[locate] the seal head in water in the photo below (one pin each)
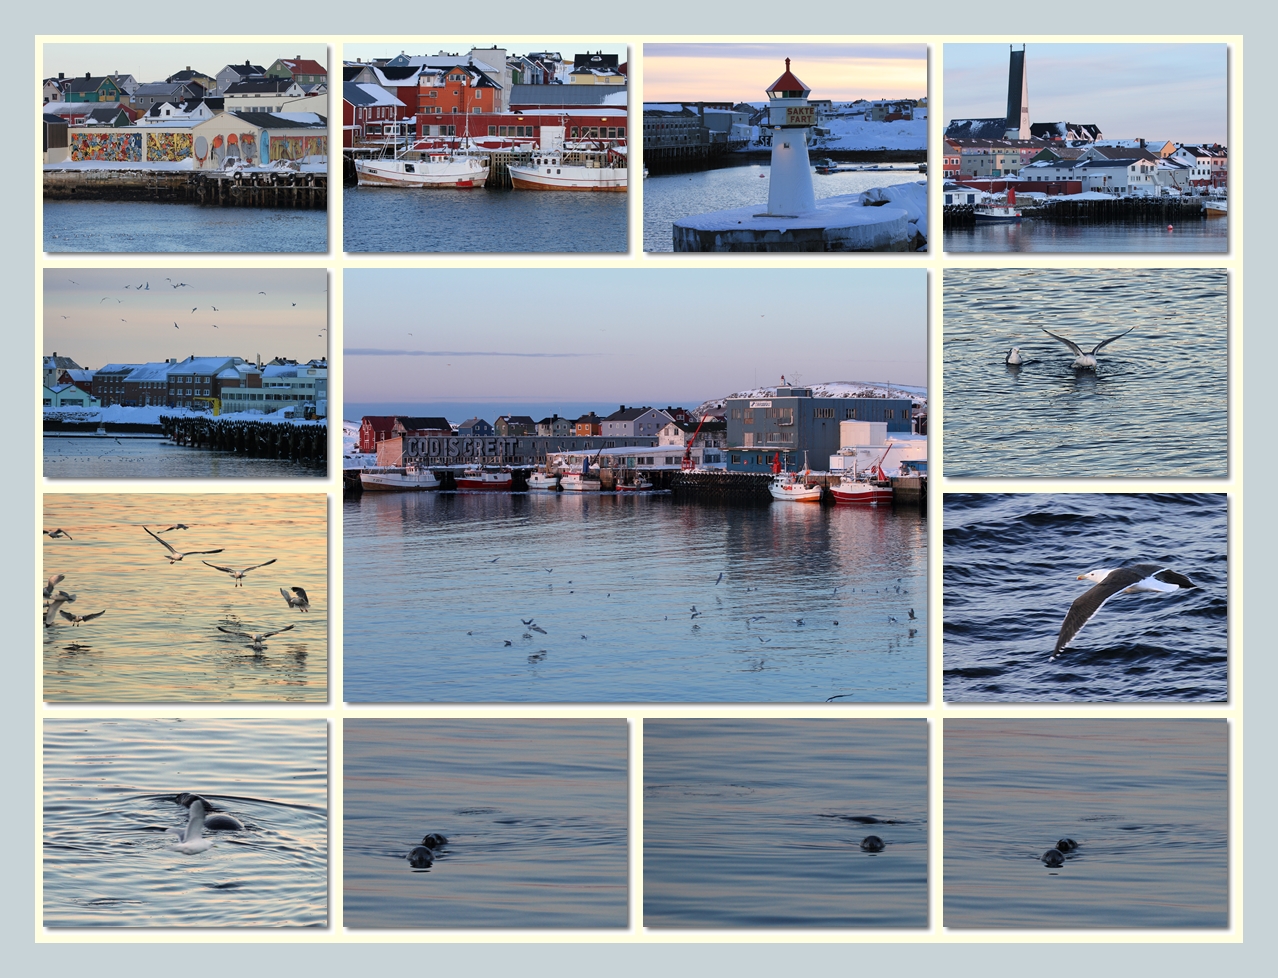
(420, 857)
(433, 840)
(1053, 857)
(871, 843)
(1067, 845)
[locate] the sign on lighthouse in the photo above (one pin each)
(789, 117)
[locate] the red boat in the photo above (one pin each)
(480, 478)
(873, 490)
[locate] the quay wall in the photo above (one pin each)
(687, 159)
(278, 189)
(1115, 210)
(256, 439)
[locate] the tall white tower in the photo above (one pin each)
(789, 117)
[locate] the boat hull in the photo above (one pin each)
(497, 485)
(575, 483)
(862, 494)
(603, 178)
(398, 481)
(455, 174)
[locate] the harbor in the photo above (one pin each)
(276, 187)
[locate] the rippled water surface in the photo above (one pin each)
(133, 225)
(758, 823)
(110, 791)
(439, 583)
(158, 641)
(109, 457)
(1209, 235)
(1147, 801)
(674, 196)
(1158, 405)
(395, 220)
(535, 813)
(1011, 569)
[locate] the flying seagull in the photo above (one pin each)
(53, 582)
(56, 601)
(237, 575)
(1084, 361)
(190, 838)
(1107, 582)
(258, 638)
(59, 532)
(76, 619)
(174, 555)
(175, 526)
(297, 599)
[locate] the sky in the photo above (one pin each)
(157, 60)
(98, 316)
(625, 336)
(1132, 91)
(391, 48)
(741, 72)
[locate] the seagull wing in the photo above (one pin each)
(196, 553)
(277, 631)
(1089, 602)
(1078, 352)
(96, 614)
(224, 570)
(166, 546)
(1110, 340)
(301, 593)
(67, 615)
(256, 566)
(233, 631)
(55, 580)
(287, 597)
(1171, 577)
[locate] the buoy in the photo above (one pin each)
(1169, 227)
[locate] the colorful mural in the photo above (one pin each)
(114, 147)
(168, 146)
(242, 145)
(297, 147)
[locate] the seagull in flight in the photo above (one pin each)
(76, 619)
(58, 534)
(258, 638)
(1109, 581)
(56, 601)
(175, 526)
(297, 599)
(53, 582)
(238, 575)
(190, 838)
(174, 555)
(1084, 360)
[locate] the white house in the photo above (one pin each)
(181, 114)
(68, 395)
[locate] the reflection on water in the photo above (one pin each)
(759, 823)
(535, 813)
(109, 457)
(476, 597)
(110, 791)
(159, 640)
(141, 226)
(1146, 800)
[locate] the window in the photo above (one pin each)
(823, 412)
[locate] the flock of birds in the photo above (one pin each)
(55, 599)
(1083, 359)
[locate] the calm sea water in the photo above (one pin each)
(674, 196)
(758, 823)
(1210, 235)
(1147, 801)
(110, 791)
(158, 641)
(535, 813)
(1011, 563)
(394, 220)
(109, 457)
(1157, 406)
(110, 225)
(438, 583)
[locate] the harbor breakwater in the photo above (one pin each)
(282, 189)
(1112, 210)
(256, 439)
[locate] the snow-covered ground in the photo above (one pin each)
(118, 414)
(833, 388)
(855, 132)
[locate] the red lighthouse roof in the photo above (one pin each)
(787, 86)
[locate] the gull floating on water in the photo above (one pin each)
(258, 638)
(297, 599)
(1013, 358)
(1129, 579)
(1082, 360)
(237, 575)
(175, 555)
(190, 839)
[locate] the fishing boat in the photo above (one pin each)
(579, 482)
(861, 492)
(540, 481)
(556, 167)
(478, 477)
(999, 213)
(390, 479)
(789, 487)
(438, 170)
(640, 484)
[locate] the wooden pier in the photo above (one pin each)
(283, 189)
(307, 444)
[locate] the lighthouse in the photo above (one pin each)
(790, 117)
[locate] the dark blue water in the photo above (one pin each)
(1147, 801)
(758, 823)
(388, 219)
(110, 790)
(121, 457)
(1158, 404)
(109, 225)
(674, 196)
(535, 813)
(1011, 563)
(1208, 235)
(437, 583)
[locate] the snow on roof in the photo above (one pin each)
(377, 94)
(150, 372)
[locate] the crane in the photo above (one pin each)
(687, 465)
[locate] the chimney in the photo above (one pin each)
(61, 76)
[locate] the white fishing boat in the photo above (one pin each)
(543, 482)
(999, 212)
(557, 167)
(789, 487)
(390, 479)
(579, 482)
(440, 170)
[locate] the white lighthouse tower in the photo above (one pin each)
(790, 117)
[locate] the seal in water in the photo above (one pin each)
(434, 840)
(1053, 857)
(871, 843)
(213, 822)
(1067, 845)
(423, 855)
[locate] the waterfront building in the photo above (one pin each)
(515, 424)
(475, 426)
(54, 365)
(588, 425)
(370, 112)
(263, 95)
(634, 422)
(147, 385)
(68, 396)
(1209, 165)
(792, 422)
(191, 382)
(374, 428)
(712, 434)
(108, 382)
(554, 427)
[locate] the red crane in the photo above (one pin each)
(687, 465)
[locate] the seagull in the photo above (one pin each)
(1084, 361)
(720, 579)
(537, 628)
(53, 582)
(190, 838)
(237, 575)
(57, 534)
(297, 599)
(76, 619)
(1107, 582)
(56, 601)
(529, 621)
(175, 526)
(507, 642)
(1013, 358)
(912, 618)
(258, 638)
(174, 555)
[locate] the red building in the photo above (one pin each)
(606, 126)
(372, 429)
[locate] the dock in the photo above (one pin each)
(282, 189)
(256, 439)
(1115, 210)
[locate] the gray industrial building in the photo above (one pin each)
(793, 422)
